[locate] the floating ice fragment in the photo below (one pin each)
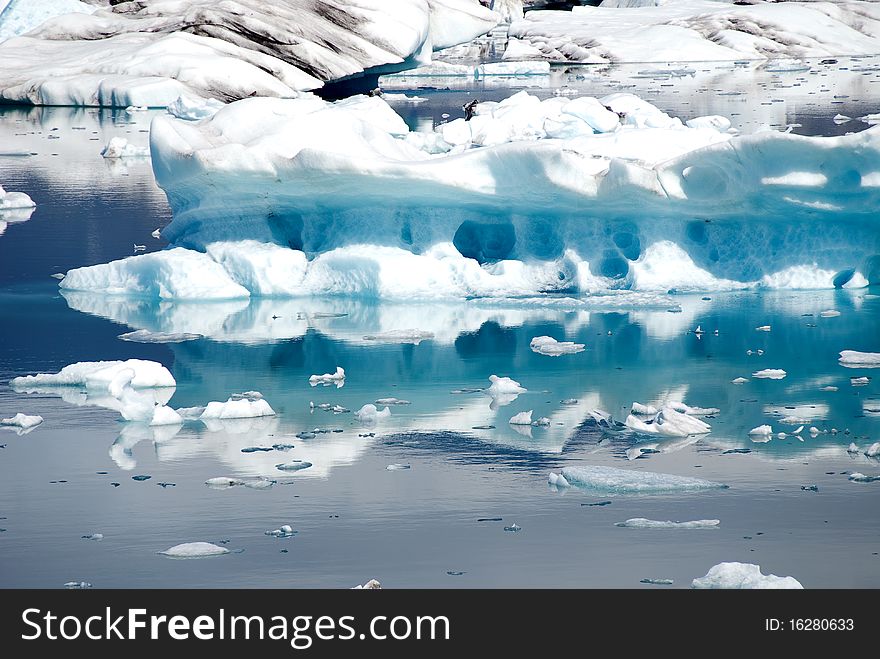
(99, 375)
(295, 465)
(15, 201)
(521, 419)
(860, 381)
(372, 584)
(830, 313)
(569, 401)
(743, 576)
(77, 585)
(858, 477)
(668, 422)
(513, 528)
(93, 536)
(873, 450)
(739, 380)
(642, 523)
(854, 358)
(504, 386)
(626, 481)
(392, 401)
(828, 388)
(557, 480)
(146, 336)
(852, 448)
(657, 582)
(369, 413)
(119, 147)
(841, 118)
(243, 408)
(643, 410)
(194, 550)
(397, 467)
(763, 328)
(770, 374)
(23, 421)
(157, 234)
(541, 422)
(546, 345)
(285, 531)
(337, 378)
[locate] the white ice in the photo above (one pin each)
(337, 378)
(243, 408)
(119, 147)
(194, 550)
(413, 336)
(99, 375)
(10, 201)
(628, 481)
(642, 523)
(856, 359)
(743, 575)
(668, 422)
(504, 386)
(547, 345)
(23, 421)
(770, 374)
(372, 584)
(369, 414)
(521, 419)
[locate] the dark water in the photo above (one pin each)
(357, 520)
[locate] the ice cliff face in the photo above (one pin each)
(150, 52)
(287, 197)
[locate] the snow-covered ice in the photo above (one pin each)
(504, 386)
(521, 419)
(195, 550)
(99, 375)
(668, 422)
(337, 378)
(741, 576)
(547, 345)
(856, 359)
(11, 201)
(643, 523)
(369, 413)
(629, 481)
(770, 374)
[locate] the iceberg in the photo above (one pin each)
(372, 584)
(504, 386)
(337, 378)
(856, 359)
(151, 54)
(521, 419)
(628, 481)
(99, 375)
(701, 31)
(10, 201)
(770, 374)
(668, 422)
(743, 576)
(642, 523)
(369, 414)
(873, 451)
(242, 408)
(547, 345)
(195, 550)
(23, 421)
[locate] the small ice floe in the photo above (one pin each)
(369, 413)
(871, 118)
(858, 477)
(131, 109)
(392, 401)
(337, 378)
(841, 118)
(569, 401)
(146, 336)
(93, 536)
(119, 147)
(285, 531)
(504, 386)
(23, 421)
(513, 528)
(15, 201)
(853, 449)
(758, 352)
(223, 482)
(557, 480)
(139, 248)
(77, 585)
(372, 584)
(643, 410)
(668, 422)
(810, 488)
(157, 234)
(99, 375)
(739, 380)
(873, 451)
(743, 576)
(305, 435)
(194, 550)
(625, 481)
(770, 374)
(854, 358)
(294, 465)
(657, 582)
(814, 431)
(547, 345)
(413, 336)
(642, 523)
(397, 467)
(829, 313)
(521, 419)
(237, 408)
(860, 381)
(699, 331)
(794, 421)
(541, 422)
(828, 388)
(763, 328)
(58, 275)
(260, 483)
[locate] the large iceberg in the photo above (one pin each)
(297, 197)
(698, 31)
(151, 53)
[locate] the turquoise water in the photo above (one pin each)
(358, 520)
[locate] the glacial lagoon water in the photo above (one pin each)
(354, 518)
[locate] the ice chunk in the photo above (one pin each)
(285, 531)
(223, 482)
(392, 401)
(14, 201)
(146, 336)
(770, 374)
(658, 582)
(858, 477)
(546, 345)
(294, 465)
(369, 413)
(668, 422)
(93, 536)
(521, 419)
(642, 523)
(23, 421)
(541, 422)
(643, 410)
(413, 336)
(739, 380)
(829, 313)
(397, 467)
(119, 147)
(244, 408)
(502, 386)
(337, 378)
(860, 381)
(372, 584)
(852, 448)
(628, 481)
(558, 480)
(873, 450)
(856, 359)
(77, 585)
(195, 550)
(743, 575)
(99, 375)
